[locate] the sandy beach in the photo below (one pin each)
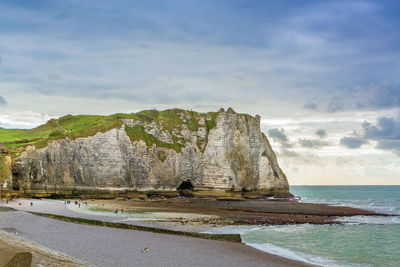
(108, 246)
(104, 246)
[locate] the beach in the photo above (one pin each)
(111, 246)
(106, 246)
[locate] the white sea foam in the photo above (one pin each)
(299, 256)
(232, 229)
(361, 204)
(277, 250)
(376, 220)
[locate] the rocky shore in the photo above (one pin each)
(246, 212)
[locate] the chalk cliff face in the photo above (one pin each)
(224, 151)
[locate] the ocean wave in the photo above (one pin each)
(278, 250)
(232, 229)
(299, 256)
(377, 220)
(365, 205)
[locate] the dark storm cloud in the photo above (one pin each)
(321, 133)
(352, 142)
(3, 101)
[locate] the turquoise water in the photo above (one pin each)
(361, 241)
(385, 199)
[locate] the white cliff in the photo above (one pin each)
(224, 151)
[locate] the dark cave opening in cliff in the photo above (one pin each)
(185, 185)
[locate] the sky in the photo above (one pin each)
(323, 75)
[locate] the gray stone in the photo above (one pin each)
(234, 154)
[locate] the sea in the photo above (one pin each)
(359, 241)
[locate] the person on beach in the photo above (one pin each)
(116, 211)
(31, 204)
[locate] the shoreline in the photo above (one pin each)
(189, 217)
(247, 212)
(207, 252)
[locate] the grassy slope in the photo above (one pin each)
(67, 126)
(72, 126)
(88, 125)
(171, 118)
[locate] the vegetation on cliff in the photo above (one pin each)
(171, 120)
(229, 162)
(5, 171)
(138, 133)
(68, 126)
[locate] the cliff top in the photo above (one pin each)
(15, 140)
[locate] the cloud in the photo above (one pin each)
(352, 142)
(288, 153)
(23, 120)
(386, 128)
(391, 145)
(381, 96)
(321, 133)
(334, 105)
(311, 106)
(310, 143)
(386, 132)
(3, 101)
(255, 53)
(280, 136)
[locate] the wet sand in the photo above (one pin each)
(248, 212)
(104, 246)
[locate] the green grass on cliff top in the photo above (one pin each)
(172, 118)
(88, 125)
(67, 126)
(72, 126)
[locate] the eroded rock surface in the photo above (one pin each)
(225, 152)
